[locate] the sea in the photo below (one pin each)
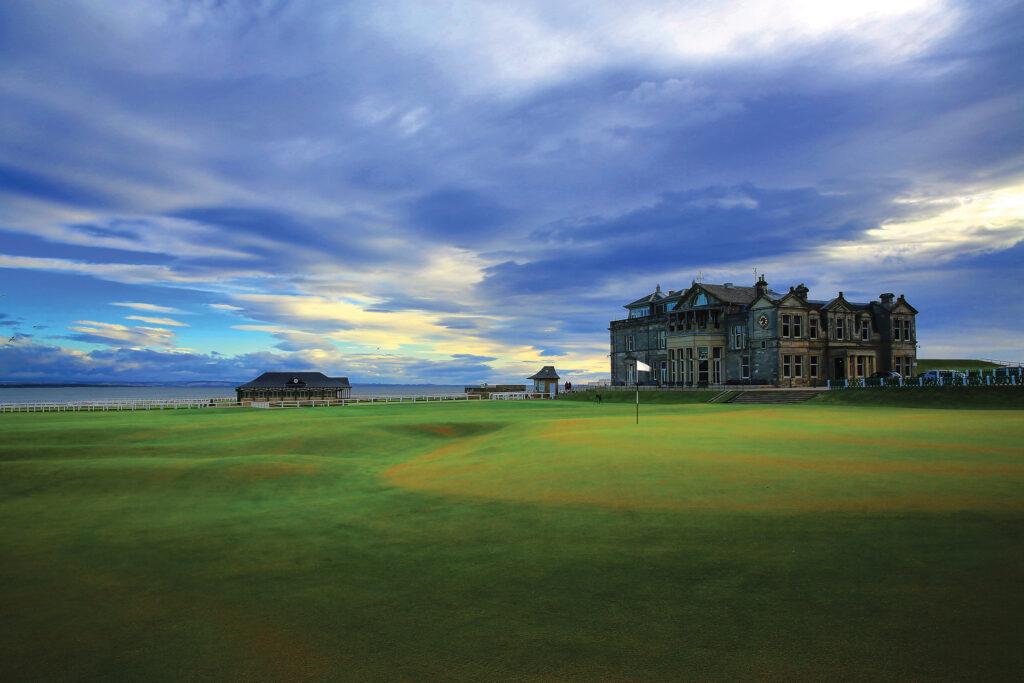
(58, 394)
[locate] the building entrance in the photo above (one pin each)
(839, 368)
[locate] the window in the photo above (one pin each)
(737, 337)
(814, 366)
(798, 325)
(745, 367)
(860, 366)
(787, 365)
(661, 339)
(798, 366)
(640, 312)
(664, 371)
(631, 374)
(689, 364)
(906, 331)
(865, 329)
(716, 365)
(764, 344)
(786, 326)
(814, 328)
(896, 331)
(630, 342)
(840, 329)
(700, 300)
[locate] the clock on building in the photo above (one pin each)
(763, 321)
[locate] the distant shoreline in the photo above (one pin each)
(92, 385)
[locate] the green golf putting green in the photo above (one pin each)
(524, 540)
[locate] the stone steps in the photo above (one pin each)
(774, 396)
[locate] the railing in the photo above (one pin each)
(118, 404)
(960, 380)
(361, 400)
(196, 403)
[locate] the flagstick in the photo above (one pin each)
(638, 403)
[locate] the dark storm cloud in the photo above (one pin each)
(708, 226)
(457, 215)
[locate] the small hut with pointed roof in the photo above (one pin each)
(545, 381)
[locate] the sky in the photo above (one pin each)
(457, 192)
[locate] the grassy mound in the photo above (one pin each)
(925, 364)
(646, 397)
(498, 540)
(947, 397)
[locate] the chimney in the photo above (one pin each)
(887, 299)
(761, 286)
(801, 291)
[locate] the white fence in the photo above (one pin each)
(118, 404)
(362, 400)
(197, 403)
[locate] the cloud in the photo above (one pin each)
(121, 335)
(497, 187)
(157, 321)
(147, 307)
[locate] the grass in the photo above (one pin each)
(528, 540)
(925, 364)
(946, 397)
(646, 397)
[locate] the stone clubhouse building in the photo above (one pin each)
(727, 334)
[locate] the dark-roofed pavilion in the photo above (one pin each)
(291, 386)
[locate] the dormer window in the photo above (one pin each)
(840, 328)
(865, 329)
(640, 312)
(814, 328)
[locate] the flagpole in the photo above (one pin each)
(638, 402)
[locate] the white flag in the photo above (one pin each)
(642, 367)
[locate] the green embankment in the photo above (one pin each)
(925, 364)
(551, 540)
(947, 397)
(646, 397)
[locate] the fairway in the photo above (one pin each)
(513, 540)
